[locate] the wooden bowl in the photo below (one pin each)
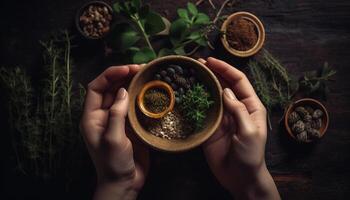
(80, 12)
(259, 28)
(212, 121)
(307, 102)
(160, 85)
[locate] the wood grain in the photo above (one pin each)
(302, 34)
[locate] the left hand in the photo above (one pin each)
(121, 161)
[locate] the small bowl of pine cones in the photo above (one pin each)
(306, 120)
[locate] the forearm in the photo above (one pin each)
(114, 191)
(257, 186)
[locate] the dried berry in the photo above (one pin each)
(301, 111)
(157, 77)
(167, 79)
(298, 127)
(174, 86)
(302, 137)
(293, 117)
(307, 118)
(314, 133)
(316, 124)
(177, 68)
(317, 114)
(163, 73)
(170, 71)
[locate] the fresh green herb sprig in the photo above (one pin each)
(316, 82)
(143, 23)
(195, 104)
(44, 132)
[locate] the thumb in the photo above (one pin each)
(238, 110)
(117, 114)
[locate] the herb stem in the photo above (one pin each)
(144, 34)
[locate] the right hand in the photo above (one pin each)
(235, 153)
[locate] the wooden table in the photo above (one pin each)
(301, 34)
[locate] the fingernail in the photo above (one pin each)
(121, 94)
(202, 60)
(228, 92)
(142, 65)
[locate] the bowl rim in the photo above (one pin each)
(260, 29)
(156, 84)
(200, 140)
(305, 101)
(80, 11)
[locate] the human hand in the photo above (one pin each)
(121, 162)
(235, 153)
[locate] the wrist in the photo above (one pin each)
(257, 184)
(106, 190)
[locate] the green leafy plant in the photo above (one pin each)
(316, 82)
(134, 37)
(44, 132)
(195, 103)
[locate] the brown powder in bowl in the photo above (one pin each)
(156, 100)
(241, 34)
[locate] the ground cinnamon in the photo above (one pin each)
(241, 34)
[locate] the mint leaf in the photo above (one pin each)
(143, 56)
(183, 13)
(192, 8)
(153, 23)
(202, 19)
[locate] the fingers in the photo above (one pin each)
(111, 76)
(239, 111)
(239, 83)
(115, 133)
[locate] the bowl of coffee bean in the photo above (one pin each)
(94, 19)
(306, 120)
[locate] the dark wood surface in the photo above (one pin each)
(302, 34)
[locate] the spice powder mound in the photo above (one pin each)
(241, 34)
(171, 126)
(156, 100)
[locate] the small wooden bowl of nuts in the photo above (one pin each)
(306, 120)
(94, 19)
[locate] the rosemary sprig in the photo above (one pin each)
(44, 133)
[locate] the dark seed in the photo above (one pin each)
(178, 69)
(163, 73)
(167, 79)
(157, 76)
(170, 71)
(174, 86)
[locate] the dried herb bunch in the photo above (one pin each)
(315, 82)
(44, 131)
(195, 104)
(272, 81)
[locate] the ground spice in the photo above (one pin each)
(171, 126)
(241, 34)
(156, 100)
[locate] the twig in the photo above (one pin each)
(220, 11)
(193, 50)
(210, 2)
